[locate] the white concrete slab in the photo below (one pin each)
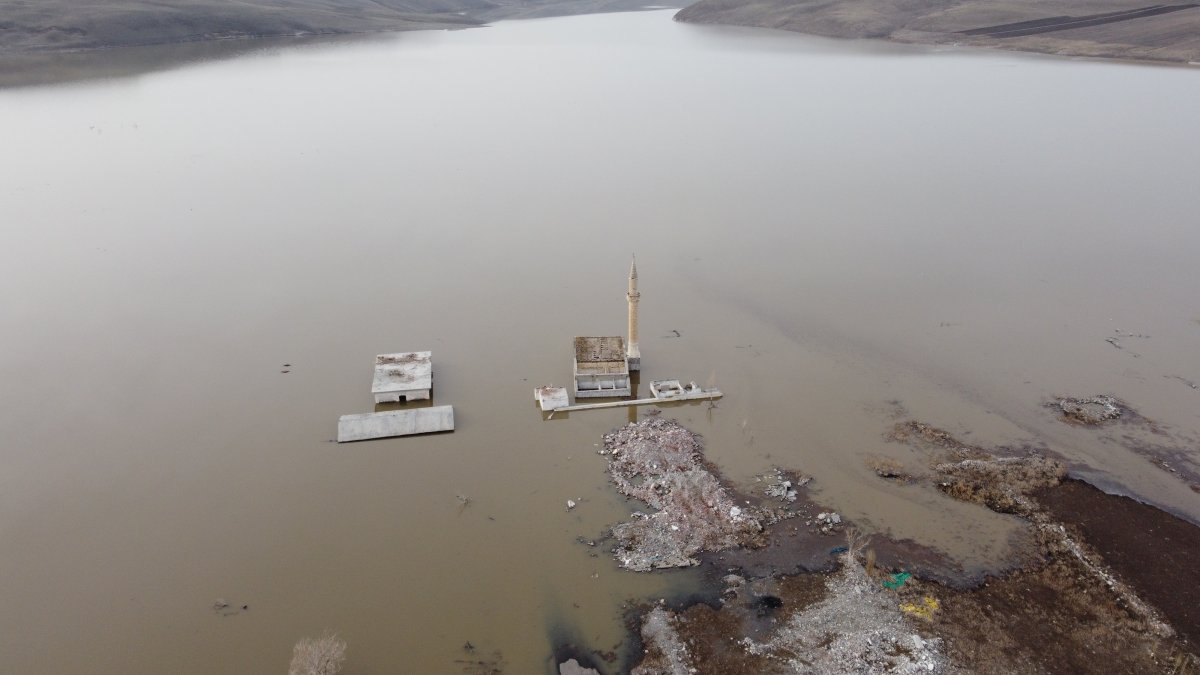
(390, 423)
(703, 395)
(407, 375)
(551, 398)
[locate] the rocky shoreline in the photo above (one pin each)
(1106, 585)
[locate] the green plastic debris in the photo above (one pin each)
(897, 580)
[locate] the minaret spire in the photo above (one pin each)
(632, 352)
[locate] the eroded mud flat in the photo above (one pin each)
(1089, 594)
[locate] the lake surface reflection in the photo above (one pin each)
(841, 233)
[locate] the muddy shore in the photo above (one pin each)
(1103, 583)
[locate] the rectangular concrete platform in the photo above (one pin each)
(700, 395)
(405, 376)
(551, 398)
(391, 423)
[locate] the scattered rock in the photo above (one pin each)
(1090, 411)
(827, 522)
(783, 485)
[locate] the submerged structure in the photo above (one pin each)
(399, 378)
(603, 364)
(406, 376)
(369, 426)
(554, 399)
(601, 367)
(632, 352)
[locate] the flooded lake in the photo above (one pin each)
(841, 235)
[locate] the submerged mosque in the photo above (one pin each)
(603, 364)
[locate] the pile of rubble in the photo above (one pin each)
(783, 485)
(659, 462)
(1090, 411)
(857, 628)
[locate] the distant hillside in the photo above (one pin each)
(55, 25)
(1128, 29)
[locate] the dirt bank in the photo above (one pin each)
(1154, 552)
(1122, 29)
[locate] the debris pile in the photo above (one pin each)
(666, 652)
(1090, 411)
(855, 626)
(1063, 609)
(659, 462)
(858, 627)
(783, 485)
(828, 522)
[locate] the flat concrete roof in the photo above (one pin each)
(602, 368)
(390, 423)
(404, 371)
(599, 349)
(551, 397)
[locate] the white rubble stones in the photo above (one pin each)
(783, 488)
(658, 462)
(828, 522)
(857, 628)
(661, 637)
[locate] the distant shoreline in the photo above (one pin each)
(59, 27)
(59, 46)
(1118, 30)
(58, 50)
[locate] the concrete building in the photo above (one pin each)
(632, 352)
(601, 367)
(406, 376)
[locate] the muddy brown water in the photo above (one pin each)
(842, 234)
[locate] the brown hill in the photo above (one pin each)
(1127, 29)
(55, 25)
